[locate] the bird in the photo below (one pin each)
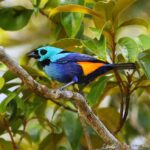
(72, 67)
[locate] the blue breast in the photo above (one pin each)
(63, 72)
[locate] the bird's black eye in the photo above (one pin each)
(43, 52)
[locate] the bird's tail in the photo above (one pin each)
(124, 66)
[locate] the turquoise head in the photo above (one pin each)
(44, 52)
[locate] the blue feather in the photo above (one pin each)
(63, 72)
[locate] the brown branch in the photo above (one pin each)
(83, 109)
(10, 134)
(127, 99)
(128, 93)
(120, 84)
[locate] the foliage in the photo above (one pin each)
(114, 31)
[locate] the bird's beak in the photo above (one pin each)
(33, 54)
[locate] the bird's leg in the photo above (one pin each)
(66, 85)
(75, 79)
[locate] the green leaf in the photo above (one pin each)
(144, 60)
(5, 145)
(8, 75)
(104, 9)
(2, 82)
(68, 44)
(72, 21)
(50, 141)
(143, 117)
(72, 130)
(97, 47)
(97, 32)
(5, 102)
(110, 117)
(36, 2)
(102, 48)
(97, 90)
(91, 46)
(136, 21)
(35, 131)
(15, 17)
(120, 7)
(131, 46)
(2, 66)
(43, 3)
(145, 40)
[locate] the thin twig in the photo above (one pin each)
(128, 93)
(119, 80)
(10, 134)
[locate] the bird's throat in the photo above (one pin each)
(45, 62)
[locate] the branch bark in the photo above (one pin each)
(83, 109)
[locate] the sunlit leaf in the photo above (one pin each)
(2, 66)
(15, 17)
(36, 2)
(72, 8)
(130, 45)
(135, 21)
(2, 82)
(5, 102)
(144, 60)
(110, 117)
(43, 3)
(145, 40)
(120, 7)
(97, 32)
(97, 90)
(104, 9)
(53, 3)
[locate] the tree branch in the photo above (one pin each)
(10, 134)
(83, 109)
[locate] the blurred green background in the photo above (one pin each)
(111, 30)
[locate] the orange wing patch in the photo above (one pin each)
(89, 67)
